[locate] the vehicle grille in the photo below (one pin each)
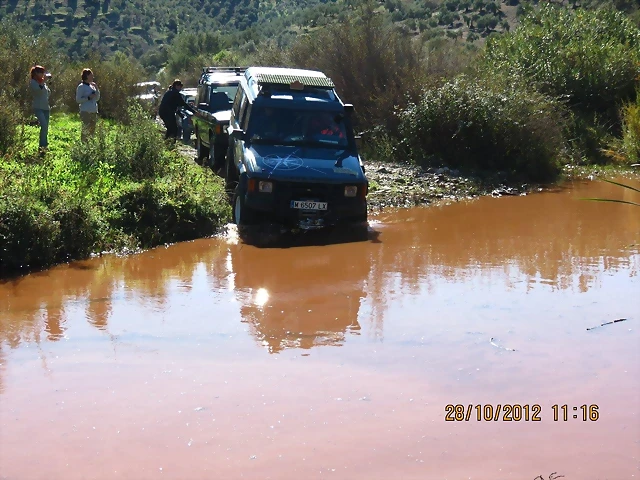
(287, 191)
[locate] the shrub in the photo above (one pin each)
(373, 65)
(486, 126)
(134, 151)
(123, 188)
(590, 56)
(18, 53)
(29, 236)
(630, 144)
(10, 119)
(185, 204)
(80, 226)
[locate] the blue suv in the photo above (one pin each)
(293, 156)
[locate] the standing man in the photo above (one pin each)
(171, 100)
(87, 96)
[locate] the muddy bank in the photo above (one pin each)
(408, 185)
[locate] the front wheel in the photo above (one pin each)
(202, 152)
(242, 215)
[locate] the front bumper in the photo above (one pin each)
(276, 206)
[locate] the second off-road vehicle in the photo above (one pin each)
(216, 90)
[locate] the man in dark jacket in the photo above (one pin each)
(170, 103)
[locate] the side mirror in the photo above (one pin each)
(349, 109)
(236, 133)
(358, 140)
(203, 106)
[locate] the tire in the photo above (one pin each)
(216, 164)
(211, 157)
(202, 152)
(242, 215)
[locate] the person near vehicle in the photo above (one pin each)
(87, 96)
(171, 101)
(40, 94)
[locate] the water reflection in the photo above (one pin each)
(41, 301)
(311, 298)
(313, 295)
(553, 239)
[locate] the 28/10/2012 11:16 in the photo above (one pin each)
(516, 412)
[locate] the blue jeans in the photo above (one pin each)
(43, 120)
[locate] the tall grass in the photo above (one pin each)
(631, 131)
(588, 58)
(486, 126)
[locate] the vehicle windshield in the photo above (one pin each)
(308, 127)
(217, 101)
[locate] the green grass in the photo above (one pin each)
(123, 190)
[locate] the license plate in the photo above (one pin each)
(308, 205)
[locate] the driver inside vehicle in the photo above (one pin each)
(325, 124)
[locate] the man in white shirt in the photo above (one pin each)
(87, 96)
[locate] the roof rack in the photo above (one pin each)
(237, 70)
(293, 81)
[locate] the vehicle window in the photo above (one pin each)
(243, 110)
(228, 90)
(203, 94)
(236, 102)
(292, 126)
(246, 116)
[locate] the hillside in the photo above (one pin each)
(136, 26)
(142, 28)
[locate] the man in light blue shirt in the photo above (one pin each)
(87, 96)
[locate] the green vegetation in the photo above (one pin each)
(561, 88)
(470, 124)
(630, 144)
(589, 59)
(124, 189)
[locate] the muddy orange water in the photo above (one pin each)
(337, 359)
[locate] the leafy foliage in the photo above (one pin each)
(590, 56)
(631, 131)
(495, 126)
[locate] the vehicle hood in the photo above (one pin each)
(304, 163)
(223, 116)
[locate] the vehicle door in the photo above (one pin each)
(200, 126)
(238, 120)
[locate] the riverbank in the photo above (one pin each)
(123, 191)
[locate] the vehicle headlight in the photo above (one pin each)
(265, 187)
(350, 191)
